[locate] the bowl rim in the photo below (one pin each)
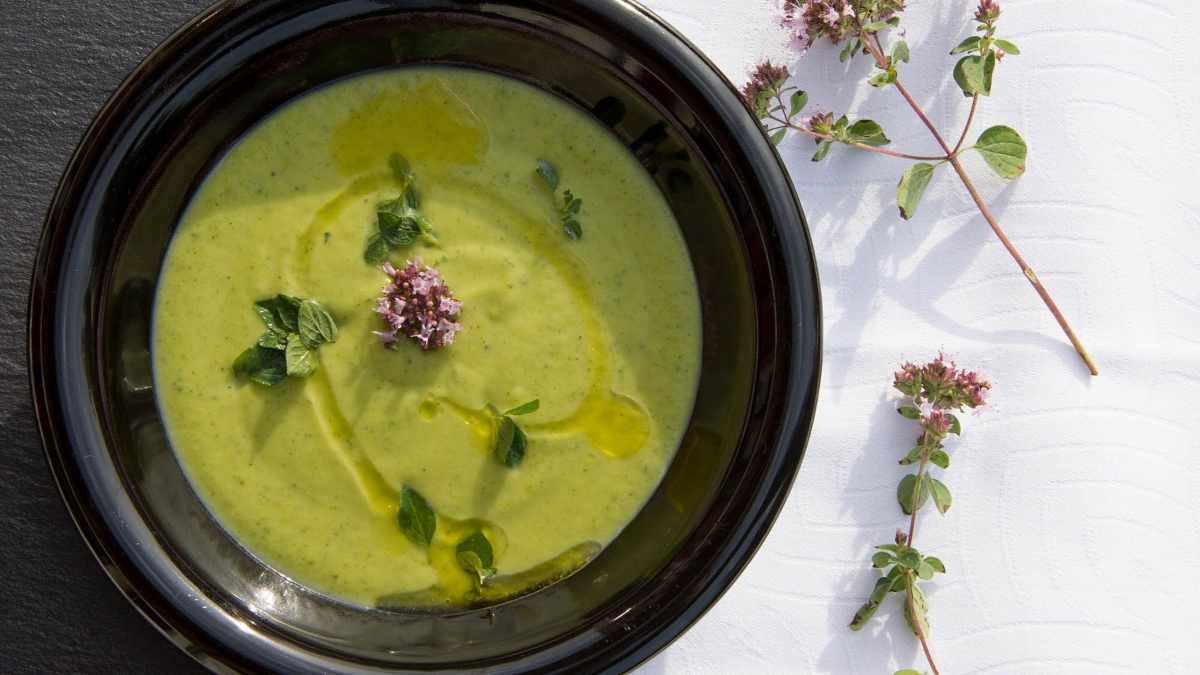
(802, 382)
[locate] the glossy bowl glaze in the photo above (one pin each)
(148, 150)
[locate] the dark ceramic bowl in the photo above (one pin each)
(149, 148)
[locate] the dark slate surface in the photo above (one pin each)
(59, 61)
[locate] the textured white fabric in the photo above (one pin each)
(1073, 545)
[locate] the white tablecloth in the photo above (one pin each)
(1073, 545)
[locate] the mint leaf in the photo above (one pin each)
(510, 443)
(1004, 150)
(900, 52)
(417, 520)
(525, 408)
(1007, 47)
(798, 101)
(904, 493)
(777, 136)
(941, 494)
(316, 325)
(262, 365)
(572, 229)
(955, 425)
(974, 74)
(911, 412)
(936, 564)
(867, 132)
(967, 45)
(548, 173)
(299, 359)
(475, 555)
(883, 585)
(911, 188)
(882, 559)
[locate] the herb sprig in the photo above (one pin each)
(296, 328)
(568, 213)
(511, 441)
(399, 222)
(932, 391)
(418, 521)
(860, 26)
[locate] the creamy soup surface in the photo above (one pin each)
(604, 331)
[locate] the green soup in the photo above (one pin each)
(603, 330)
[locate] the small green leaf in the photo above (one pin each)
(411, 198)
(893, 20)
(913, 455)
(849, 50)
(907, 671)
(867, 132)
(911, 188)
(548, 173)
(1007, 47)
(799, 100)
(475, 555)
(524, 408)
(280, 313)
(882, 559)
(417, 520)
(925, 570)
(401, 169)
(974, 74)
(941, 494)
(875, 26)
(969, 44)
(510, 443)
(261, 365)
(316, 324)
(301, 361)
(909, 411)
(905, 493)
(377, 249)
(398, 230)
(940, 458)
(883, 79)
(910, 559)
(272, 340)
(936, 564)
(955, 425)
(1004, 150)
(822, 150)
(882, 586)
(900, 52)
(777, 136)
(893, 548)
(916, 610)
(572, 229)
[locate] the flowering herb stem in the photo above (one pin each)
(859, 23)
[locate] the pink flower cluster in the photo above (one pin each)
(765, 83)
(834, 19)
(417, 304)
(988, 11)
(942, 385)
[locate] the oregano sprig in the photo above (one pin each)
(510, 440)
(861, 27)
(568, 213)
(296, 328)
(399, 222)
(933, 393)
